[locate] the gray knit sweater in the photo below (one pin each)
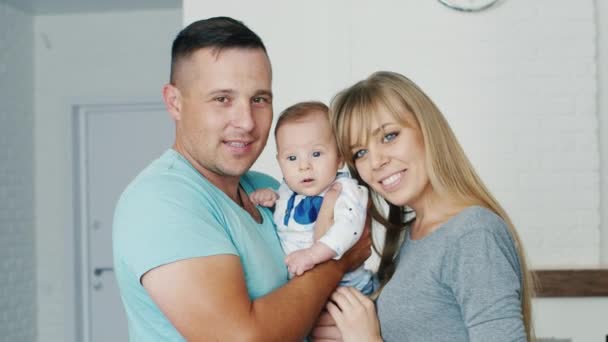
(460, 283)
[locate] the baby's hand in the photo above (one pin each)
(299, 261)
(264, 197)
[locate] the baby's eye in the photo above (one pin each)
(291, 158)
(316, 154)
(389, 137)
(359, 154)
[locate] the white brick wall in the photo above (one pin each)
(17, 237)
(602, 55)
(517, 83)
(83, 58)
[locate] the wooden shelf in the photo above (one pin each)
(572, 283)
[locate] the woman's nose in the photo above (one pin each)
(378, 159)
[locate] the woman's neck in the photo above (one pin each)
(432, 210)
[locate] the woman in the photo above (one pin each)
(458, 272)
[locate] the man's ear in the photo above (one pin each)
(173, 101)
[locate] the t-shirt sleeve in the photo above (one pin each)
(482, 269)
(157, 225)
(349, 217)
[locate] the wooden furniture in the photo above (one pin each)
(572, 283)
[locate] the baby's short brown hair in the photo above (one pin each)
(300, 110)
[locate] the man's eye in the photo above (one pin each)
(389, 137)
(261, 99)
(291, 158)
(359, 154)
(221, 99)
(316, 154)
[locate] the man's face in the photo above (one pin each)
(225, 109)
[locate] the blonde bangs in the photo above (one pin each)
(352, 115)
(350, 119)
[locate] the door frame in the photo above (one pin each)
(79, 277)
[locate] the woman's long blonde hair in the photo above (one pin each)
(449, 170)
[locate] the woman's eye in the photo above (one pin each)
(316, 154)
(389, 137)
(359, 154)
(291, 158)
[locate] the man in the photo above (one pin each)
(194, 258)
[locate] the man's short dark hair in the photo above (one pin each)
(217, 33)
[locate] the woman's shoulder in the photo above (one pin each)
(476, 219)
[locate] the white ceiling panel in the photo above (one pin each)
(42, 7)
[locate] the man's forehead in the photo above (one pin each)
(229, 70)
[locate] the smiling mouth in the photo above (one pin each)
(392, 180)
(237, 144)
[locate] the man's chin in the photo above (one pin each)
(235, 169)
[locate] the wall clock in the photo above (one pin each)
(468, 5)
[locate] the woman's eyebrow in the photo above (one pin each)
(375, 132)
(381, 128)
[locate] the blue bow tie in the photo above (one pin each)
(306, 211)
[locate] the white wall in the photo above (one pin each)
(83, 58)
(517, 83)
(602, 55)
(17, 238)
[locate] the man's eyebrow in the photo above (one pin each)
(263, 92)
(221, 91)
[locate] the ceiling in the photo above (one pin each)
(42, 7)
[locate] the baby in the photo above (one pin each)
(309, 160)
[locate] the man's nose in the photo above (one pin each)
(243, 117)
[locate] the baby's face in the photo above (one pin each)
(307, 154)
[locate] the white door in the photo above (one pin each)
(114, 143)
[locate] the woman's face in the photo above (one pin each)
(393, 161)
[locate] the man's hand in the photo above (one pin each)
(264, 197)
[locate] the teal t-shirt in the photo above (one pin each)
(169, 213)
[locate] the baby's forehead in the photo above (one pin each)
(309, 124)
(315, 117)
(295, 146)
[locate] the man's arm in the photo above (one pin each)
(206, 298)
